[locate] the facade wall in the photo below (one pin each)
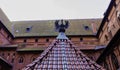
(112, 60)
(81, 42)
(111, 27)
(112, 24)
(84, 43)
(18, 59)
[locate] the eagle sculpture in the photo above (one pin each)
(61, 25)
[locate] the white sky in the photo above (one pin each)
(17, 10)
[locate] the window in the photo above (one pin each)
(28, 29)
(13, 58)
(25, 40)
(21, 60)
(114, 61)
(36, 40)
(86, 27)
(12, 61)
(47, 40)
(81, 39)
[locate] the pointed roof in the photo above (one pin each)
(62, 54)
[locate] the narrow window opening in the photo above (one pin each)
(81, 39)
(47, 40)
(21, 60)
(36, 40)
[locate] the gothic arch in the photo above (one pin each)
(21, 59)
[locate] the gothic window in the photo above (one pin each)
(21, 60)
(114, 61)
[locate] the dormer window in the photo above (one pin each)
(28, 29)
(86, 27)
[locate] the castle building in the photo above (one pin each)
(22, 42)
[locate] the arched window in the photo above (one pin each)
(21, 60)
(114, 61)
(12, 61)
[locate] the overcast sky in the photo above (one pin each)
(17, 10)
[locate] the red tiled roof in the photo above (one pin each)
(61, 54)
